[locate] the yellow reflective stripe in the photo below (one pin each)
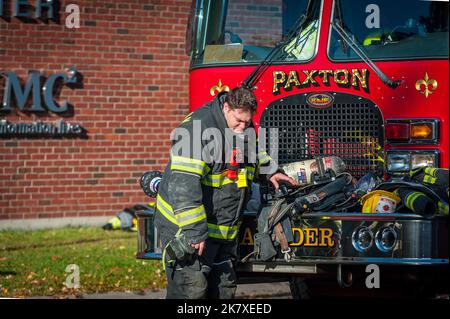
(222, 232)
(414, 172)
(187, 118)
(431, 171)
(218, 180)
(187, 217)
(191, 216)
(250, 172)
(263, 158)
(408, 199)
(411, 198)
(443, 208)
(164, 208)
(190, 165)
(186, 168)
(428, 179)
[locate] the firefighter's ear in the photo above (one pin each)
(226, 108)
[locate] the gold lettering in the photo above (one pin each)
(311, 235)
(300, 239)
(279, 77)
(325, 237)
(309, 77)
(326, 73)
(248, 238)
(361, 77)
(338, 73)
(292, 78)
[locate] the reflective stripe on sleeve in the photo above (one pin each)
(165, 209)
(190, 165)
(431, 171)
(183, 218)
(428, 179)
(191, 216)
(263, 158)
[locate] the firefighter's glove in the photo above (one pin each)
(264, 248)
(179, 249)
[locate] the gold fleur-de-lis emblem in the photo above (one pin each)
(219, 88)
(426, 81)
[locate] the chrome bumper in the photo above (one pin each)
(420, 242)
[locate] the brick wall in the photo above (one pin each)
(131, 57)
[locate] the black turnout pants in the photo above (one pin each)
(209, 276)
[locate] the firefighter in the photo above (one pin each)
(201, 196)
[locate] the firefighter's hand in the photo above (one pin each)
(278, 177)
(199, 246)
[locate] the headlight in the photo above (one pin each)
(362, 239)
(419, 160)
(404, 161)
(385, 239)
(398, 162)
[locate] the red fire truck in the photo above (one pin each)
(362, 80)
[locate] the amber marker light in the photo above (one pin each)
(421, 131)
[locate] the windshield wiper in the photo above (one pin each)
(338, 26)
(256, 74)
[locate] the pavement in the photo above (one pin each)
(277, 290)
(245, 291)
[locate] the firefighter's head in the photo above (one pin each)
(239, 108)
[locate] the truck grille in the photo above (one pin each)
(351, 128)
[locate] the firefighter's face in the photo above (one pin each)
(237, 119)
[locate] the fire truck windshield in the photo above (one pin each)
(390, 30)
(246, 31)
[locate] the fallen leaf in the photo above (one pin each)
(55, 258)
(114, 269)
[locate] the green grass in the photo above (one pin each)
(33, 263)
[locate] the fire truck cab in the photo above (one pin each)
(366, 81)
